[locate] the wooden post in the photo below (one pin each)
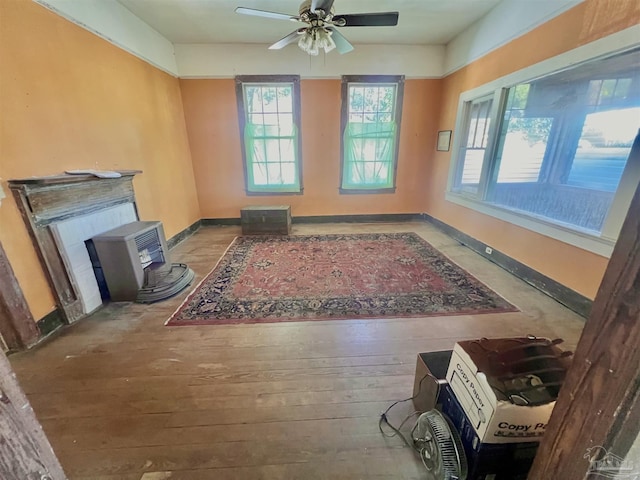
(17, 327)
(25, 452)
(599, 403)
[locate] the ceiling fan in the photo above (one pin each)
(322, 22)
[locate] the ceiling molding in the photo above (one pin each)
(117, 25)
(413, 61)
(514, 20)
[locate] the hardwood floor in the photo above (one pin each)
(121, 396)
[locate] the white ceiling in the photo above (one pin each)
(422, 22)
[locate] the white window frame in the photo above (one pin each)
(603, 244)
(464, 113)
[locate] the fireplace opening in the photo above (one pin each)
(97, 270)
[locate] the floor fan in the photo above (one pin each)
(439, 447)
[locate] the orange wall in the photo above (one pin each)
(70, 100)
(571, 266)
(212, 123)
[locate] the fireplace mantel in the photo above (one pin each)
(46, 201)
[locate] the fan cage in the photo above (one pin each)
(448, 444)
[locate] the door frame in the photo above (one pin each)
(25, 451)
(17, 326)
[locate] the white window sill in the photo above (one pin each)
(581, 239)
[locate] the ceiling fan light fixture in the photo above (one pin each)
(326, 42)
(316, 39)
(321, 32)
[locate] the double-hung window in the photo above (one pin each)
(269, 116)
(371, 114)
(552, 149)
(472, 150)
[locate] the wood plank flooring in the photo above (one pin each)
(122, 397)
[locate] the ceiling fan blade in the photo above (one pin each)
(342, 44)
(265, 14)
(283, 42)
(383, 19)
(324, 5)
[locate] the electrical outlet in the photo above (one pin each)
(489, 250)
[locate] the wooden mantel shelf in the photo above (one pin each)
(45, 200)
(66, 178)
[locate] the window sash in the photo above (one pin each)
(265, 170)
(368, 155)
(475, 141)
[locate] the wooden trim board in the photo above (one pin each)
(562, 294)
(184, 234)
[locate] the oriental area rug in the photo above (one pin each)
(324, 277)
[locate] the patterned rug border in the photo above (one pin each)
(251, 321)
(194, 290)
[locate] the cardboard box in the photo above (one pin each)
(494, 461)
(494, 420)
(431, 370)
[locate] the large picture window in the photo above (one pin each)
(269, 114)
(371, 113)
(556, 147)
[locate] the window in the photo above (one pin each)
(269, 116)
(472, 150)
(555, 148)
(371, 113)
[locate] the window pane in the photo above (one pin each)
(371, 99)
(253, 99)
(259, 174)
(603, 149)
(523, 149)
(472, 167)
(257, 150)
(256, 118)
(387, 97)
(473, 125)
(565, 140)
(272, 150)
(287, 150)
(356, 99)
(368, 150)
(274, 174)
(269, 100)
(270, 119)
(285, 100)
(288, 173)
(285, 121)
